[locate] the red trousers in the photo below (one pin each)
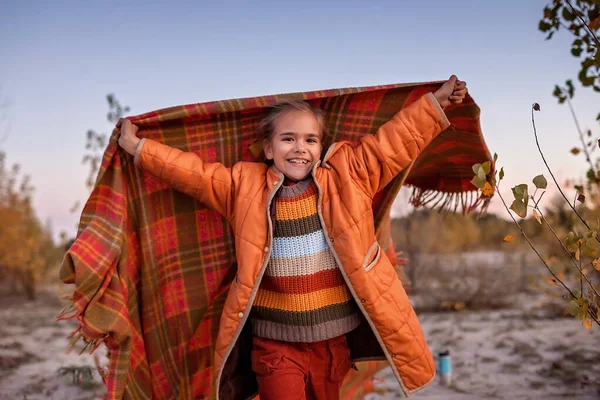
(299, 371)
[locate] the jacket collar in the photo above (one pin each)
(332, 149)
(274, 177)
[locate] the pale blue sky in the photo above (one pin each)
(58, 60)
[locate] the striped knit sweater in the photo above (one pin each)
(302, 296)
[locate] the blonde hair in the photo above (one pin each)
(267, 125)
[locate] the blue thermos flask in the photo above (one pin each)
(445, 367)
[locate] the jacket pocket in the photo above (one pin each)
(372, 256)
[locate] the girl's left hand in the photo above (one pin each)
(452, 91)
(459, 93)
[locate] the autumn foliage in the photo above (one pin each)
(27, 249)
(574, 260)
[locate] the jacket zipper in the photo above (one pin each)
(246, 311)
(351, 288)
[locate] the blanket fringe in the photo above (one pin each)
(466, 202)
(70, 312)
(67, 313)
(88, 344)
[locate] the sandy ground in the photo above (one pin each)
(509, 354)
(501, 354)
(33, 351)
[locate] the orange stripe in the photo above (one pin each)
(302, 302)
(298, 209)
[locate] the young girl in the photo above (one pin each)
(313, 291)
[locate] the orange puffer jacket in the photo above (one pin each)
(347, 179)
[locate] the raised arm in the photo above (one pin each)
(210, 183)
(397, 143)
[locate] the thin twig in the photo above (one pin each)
(557, 279)
(566, 250)
(537, 142)
(565, 26)
(585, 149)
(587, 27)
(541, 195)
(532, 246)
(580, 273)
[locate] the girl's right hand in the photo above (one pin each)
(128, 139)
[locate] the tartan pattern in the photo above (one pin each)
(151, 266)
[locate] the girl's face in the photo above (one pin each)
(295, 145)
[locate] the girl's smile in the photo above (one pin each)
(295, 146)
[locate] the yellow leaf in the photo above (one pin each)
(587, 323)
(508, 238)
(537, 216)
(488, 189)
(596, 263)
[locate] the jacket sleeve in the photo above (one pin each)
(380, 157)
(210, 183)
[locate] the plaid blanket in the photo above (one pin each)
(151, 266)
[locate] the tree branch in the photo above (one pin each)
(587, 27)
(568, 252)
(580, 273)
(581, 136)
(540, 256)
(537, 142)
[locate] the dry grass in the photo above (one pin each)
(453, 282)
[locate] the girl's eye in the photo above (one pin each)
(312, 140)
(287, 139)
